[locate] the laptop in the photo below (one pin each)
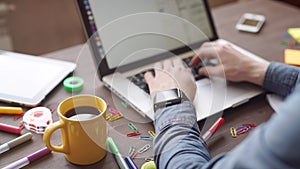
(27, 79)
(128, 37)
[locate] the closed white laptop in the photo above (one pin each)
(128, 37)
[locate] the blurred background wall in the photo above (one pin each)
(41, 26)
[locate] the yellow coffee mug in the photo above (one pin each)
(83, 129)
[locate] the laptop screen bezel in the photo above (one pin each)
(101, 62)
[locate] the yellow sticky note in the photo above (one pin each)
(292, 57)
(295, 33)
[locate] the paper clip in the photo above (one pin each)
(133, 154)
(242, 131)
(124, 104)
(249, 124)
(233, 132)
(114, 111)
(136, 133)
(132, 126)
(108, 116)
(146, 137)
(241, 127)
(116, 117)
(144, 149)
(149, 159)
(132, 148)
(151, 133)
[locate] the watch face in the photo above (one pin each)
(166, 95)
(167, 98)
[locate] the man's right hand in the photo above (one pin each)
(233, 65)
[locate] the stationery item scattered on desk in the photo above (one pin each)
(131, 149)
(108, 116)
(149, 159)
(113, 147)
(235, 131)
(124, 104)
(131, 134)
(116, 117)
(211, 131)
(37, 119)
(13, 143)
(114, 111)
(133, 154)
(73, 84)
(295, 33)
(11, 129)
(132, 127)
(130, 163)
(11, 110)
(290, 42)
(292, 57)
(249, 124)
(146, 137)
(29, 159)
(151, 133)
(144, 148)
(18, 116)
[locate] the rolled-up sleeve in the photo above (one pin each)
(281, 78)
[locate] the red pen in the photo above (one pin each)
(213, 129)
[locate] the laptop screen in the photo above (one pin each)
(135, 31)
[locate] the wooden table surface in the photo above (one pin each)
(266, 43)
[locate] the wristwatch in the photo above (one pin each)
(168, 98)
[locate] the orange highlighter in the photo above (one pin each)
(11, 110)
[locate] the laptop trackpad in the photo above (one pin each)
(216, 94)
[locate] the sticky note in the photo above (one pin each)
(292, 57)
(295, 33)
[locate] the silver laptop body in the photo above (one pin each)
(144, 32)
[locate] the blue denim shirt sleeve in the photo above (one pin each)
(177, 143)
(281, 78)
(273, 144)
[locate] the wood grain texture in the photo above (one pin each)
(266, 44)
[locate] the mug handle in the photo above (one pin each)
(47, 136)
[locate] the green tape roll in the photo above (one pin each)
(73, 84)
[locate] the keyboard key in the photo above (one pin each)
(138, 79)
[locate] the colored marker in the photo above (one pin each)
(130, 163)
(10, 129)
(11, 110)
(29, 159)
(213, 129)
(113, 147)
(13, 143)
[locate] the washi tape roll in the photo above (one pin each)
(73, 84)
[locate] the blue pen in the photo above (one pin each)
(130, 163)
(113, 147)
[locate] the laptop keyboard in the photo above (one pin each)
(138, 79)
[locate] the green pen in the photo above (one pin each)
(113, 147)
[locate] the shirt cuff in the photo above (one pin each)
(183, 113)
(280, 78)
